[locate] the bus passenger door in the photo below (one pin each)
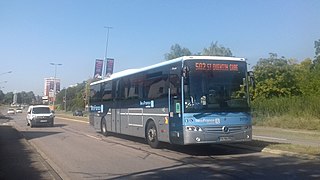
(175, 118)
(115, 121)
(116, 116)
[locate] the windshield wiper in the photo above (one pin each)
(201, 115)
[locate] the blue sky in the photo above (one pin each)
(71, 32)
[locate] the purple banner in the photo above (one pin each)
(110, 64)
(98, 68)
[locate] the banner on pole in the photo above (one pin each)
(109, 67)
(98, 68)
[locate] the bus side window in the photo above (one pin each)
(107, 91)
(118, 89)
(174, 84)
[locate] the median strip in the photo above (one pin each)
(75, 120)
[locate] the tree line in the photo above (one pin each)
(22, 98)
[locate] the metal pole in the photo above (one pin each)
(54, 86)
(54, 83)
(106, 52)
(65, 99)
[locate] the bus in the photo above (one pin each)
(187, 100)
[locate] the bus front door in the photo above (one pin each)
(175, 120)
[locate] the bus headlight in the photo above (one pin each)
(193, 128)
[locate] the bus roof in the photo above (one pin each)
(183, 58)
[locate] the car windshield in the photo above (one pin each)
(41, 110)
(215, 86)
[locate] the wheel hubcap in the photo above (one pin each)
(152, 134)
(104, 127)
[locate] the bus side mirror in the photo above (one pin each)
(185, 72)
(251, 79)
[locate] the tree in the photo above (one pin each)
(177, 51)
(8, 97)
(216, 50)
(1, 97)
(275, 78)
(74, 97)
(317, 52)
(317, 47)
(25, 97)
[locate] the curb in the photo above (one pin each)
(50, 165)
(276, 151)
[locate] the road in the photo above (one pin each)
(75, 151)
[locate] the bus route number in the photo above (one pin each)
(216, 67)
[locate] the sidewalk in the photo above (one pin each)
(18, 159)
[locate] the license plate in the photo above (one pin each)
(43, 121)
(225, 138)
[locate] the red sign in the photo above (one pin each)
(216, 67)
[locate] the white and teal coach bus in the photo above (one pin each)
(187, 100)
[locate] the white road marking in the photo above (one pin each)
(272, 138)
(90, 136)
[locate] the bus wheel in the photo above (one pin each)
(104, 127)
(152, 135)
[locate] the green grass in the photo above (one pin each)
(288, 112)
(289, 122)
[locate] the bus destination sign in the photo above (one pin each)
(216, 67)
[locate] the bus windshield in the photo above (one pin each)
(215, 86)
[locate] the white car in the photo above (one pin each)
(11, 111)
(40, 115)
(19, 110)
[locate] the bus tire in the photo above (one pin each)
(152, 135)
(103, 125)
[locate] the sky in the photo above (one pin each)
(35, 33)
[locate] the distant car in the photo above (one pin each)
(40, 115)
(78, 113)
(19, 110)
(11, 111)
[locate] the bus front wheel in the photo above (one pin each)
(152, 135)
(104, 127)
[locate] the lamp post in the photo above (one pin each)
(6, 72)
(54, 82)
(106, 52)
(65, 99)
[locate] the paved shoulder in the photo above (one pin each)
(18, 159)
(299, 137)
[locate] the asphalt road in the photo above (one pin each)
(75, 151)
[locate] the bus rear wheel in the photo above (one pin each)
(152, 135)
(104, 127)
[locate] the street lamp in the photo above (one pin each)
(54, 82)
(106, 53)
(6, 72)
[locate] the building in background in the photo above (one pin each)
(49, 87)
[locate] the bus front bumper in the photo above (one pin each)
(205, 137)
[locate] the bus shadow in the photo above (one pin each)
(204, 149)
